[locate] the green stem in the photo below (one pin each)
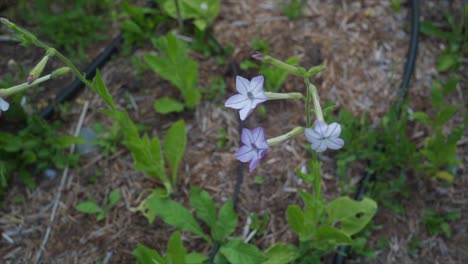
(21, 87)
(279, 96)
(294, 132)
(307, 105)
(28, 35)
(179, 17)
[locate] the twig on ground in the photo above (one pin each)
(61, 187)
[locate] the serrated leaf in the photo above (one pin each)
(226, 223)
(238, 252)
(145, 255)
(174, 146)
(281, 254)
(205, 208)
(175, 249)
(352, 215)
(167, 105)
(88, 207)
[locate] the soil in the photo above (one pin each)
(363, 45)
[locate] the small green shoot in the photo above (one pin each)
(437, 223)
(91, 207)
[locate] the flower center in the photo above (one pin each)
(254, 146)
(250, 95)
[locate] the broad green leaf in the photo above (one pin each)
(174, 65)
(100, 88)
(333, 236)
(167, 105)
(195, 258)
(114, 198)
(447, 61)
(88, 207)
(204, 206)
(174, 214)
(226, 223)
(295, 219)
(238, 252)
(352, 215)
(145, 255)
(174, 146)
(281, 254)
(175, 250)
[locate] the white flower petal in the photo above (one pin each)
(237, 101)
(4, 105)
(244, 112)
(242, 85)
(247, 137)
(319, 146)
(320, 127)
(256, 84)
(246, 153)
(311, 135)
(334, 143)
(333, 130)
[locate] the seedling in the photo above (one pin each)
(91, 207)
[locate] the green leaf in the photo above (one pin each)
(114, 198)
(174, 214)
(167, 105)
(175, 249)
(226, 223)
(88, 207)
(174, 65)
(145, 255)
(421, 117)
(352, 215)
(445, 115)
(238, 252)
(100, 88)
(281, 254)
(333, 236)
(195, 258)
(430, 29)
(447, 61)
(174, 146)
(295, 218)
(204, 206)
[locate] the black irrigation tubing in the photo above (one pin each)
(75, 87)
(343, 251)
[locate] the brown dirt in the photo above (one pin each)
(363, 45)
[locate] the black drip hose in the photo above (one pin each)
(343, 251)
(75, 87)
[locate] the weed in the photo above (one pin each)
(437, 223)
(90, 207)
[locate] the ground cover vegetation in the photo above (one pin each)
(201, 227)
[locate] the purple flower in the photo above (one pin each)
(4, 105)
(324, 136)
(255, 147)
(250, 95)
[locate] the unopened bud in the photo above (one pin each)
(60, 71)
(258, 56)
(37, 70)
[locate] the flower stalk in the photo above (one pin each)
(277, 140)
(279, 96)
